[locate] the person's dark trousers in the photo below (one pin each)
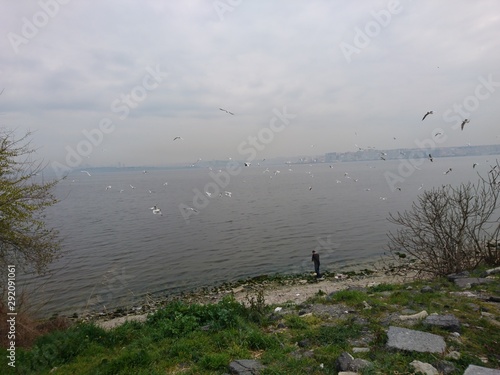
(316, 269)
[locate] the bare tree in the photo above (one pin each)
(450, 229)
(25, 241)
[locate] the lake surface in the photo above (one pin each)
(117, 250)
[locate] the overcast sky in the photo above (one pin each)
(345, 73)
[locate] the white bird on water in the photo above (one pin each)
(156, 210)
(86, 172)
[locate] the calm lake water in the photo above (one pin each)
(117, 250)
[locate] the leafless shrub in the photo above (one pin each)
(450, 229)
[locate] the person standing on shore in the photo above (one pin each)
(315, 259)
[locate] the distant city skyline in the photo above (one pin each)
(116, 82)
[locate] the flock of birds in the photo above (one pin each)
(466, 121)
(383, 156)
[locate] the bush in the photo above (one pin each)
(450, 229)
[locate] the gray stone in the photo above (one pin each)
(493, 271)
(427, 289)
(445, 367)
(408, 339)
(424, 368)
(303, 343)
(459, 275)
(346, 362)
(360, 350)
(245, 367)
(447, 322)
(467, 282)
(453, 355)
(478, 370)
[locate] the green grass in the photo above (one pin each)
(203, 339)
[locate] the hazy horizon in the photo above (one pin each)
(116, 82)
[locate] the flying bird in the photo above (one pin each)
(428, 113)
(466, 121)
(2, 91)
(430, 158)
(178, 138)
(224, 110)
(448, 171)
(247, 164)
(474, 165)
(86, 172)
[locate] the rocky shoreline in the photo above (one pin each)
(277, 289)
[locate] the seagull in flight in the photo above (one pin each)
(178, 138)
(224, 110)
(430, 158)
(87, 173)
(448, 171)
(427, 114)
(228, 194)
(466, 121)
(247, 164)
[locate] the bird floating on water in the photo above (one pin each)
(428, 113)
(156, 210)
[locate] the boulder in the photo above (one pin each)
(448, 322)
(424, 368)
(478, 370)
(411, 340)
(467, 282)
(445, 367)
(346, 362)
(421, 315)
